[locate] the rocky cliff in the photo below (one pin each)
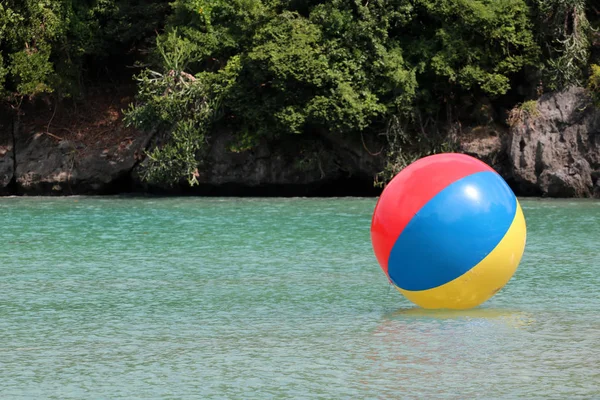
(7, 162)
(37, 163)
(34, 162)
(322, 165)
(550, 150)
(556, 151)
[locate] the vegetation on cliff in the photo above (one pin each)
(407, 70)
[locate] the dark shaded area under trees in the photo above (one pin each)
(408, 72)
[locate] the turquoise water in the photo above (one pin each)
(123, 298)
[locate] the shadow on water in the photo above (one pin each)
(418, 312)
(511, 317)
(428, 352)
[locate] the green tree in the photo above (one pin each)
(46, 45)
(564, 33)
(472, 46)
(271, 68)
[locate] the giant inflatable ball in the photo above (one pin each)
(448, 232)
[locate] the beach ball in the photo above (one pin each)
(448, 232)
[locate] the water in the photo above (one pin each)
(277, 298)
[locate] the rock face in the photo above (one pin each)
(47, 166)
(6, 157)
(298, 166)
(555, 151)
(552, 150)
(489, 144)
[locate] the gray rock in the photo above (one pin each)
(553, 153)
(6, 157)
(45, 166)
(556, 153)
(487, 143)
(295, 161)
(299, 165)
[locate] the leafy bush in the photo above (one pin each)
(523, 111)
(564, 32)
(594, 83)
(268, 68)
(46, 45)
(335, 66)
(182, 105)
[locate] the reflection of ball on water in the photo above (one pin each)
(448, 232)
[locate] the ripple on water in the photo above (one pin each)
(128, 298)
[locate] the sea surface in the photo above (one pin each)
(243, 298)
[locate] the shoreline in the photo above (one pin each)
(554, 154)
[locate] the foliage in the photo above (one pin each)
(530, 107)
(46, 45)
(28, 30)
(182, 105)
(272, 68)
(403, 148)
(594, 83)
(564, 31)
(340, 66)
(521, 112)
(471, 45)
